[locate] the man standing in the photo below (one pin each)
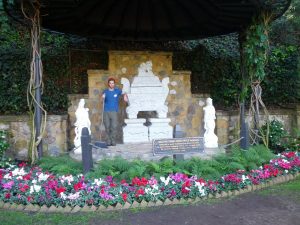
(111, 97)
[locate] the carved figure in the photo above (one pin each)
(82, 120)
(210, 139)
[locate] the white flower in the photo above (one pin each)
(69, 179)
(151, 191)
(34, 181)
(286, 171)
(98, 182)
(164, 180)
(42, 177)
(20, 178)
(63, 195)
(35, 188)
(200, 187)
(7, 176)
(244, 178)
(155, 187)
(18, 172)
(73, 196)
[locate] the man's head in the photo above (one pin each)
(111, 83)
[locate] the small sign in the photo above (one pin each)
(178, 145)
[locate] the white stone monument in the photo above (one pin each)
(210, 139)
(146, 93)
(82, 120)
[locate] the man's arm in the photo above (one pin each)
(125, 97)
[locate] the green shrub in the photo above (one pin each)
(61, 165)
(276, 136)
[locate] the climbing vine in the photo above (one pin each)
(255, 50)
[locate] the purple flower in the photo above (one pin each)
(8, 185)
(109, 179)
(177, 177)
(106, 196)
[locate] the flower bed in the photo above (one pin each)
(26, 185)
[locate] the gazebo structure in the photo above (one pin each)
(136, 20)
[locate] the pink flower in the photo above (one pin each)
(8, 185)
(172, 193)
(177, 177)
(152, 181)
(105, 195)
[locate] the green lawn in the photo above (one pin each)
(290, 190)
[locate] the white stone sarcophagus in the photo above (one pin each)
(146, 93)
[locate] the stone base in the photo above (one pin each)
(160, 128)
(135, 131)
(210, 141)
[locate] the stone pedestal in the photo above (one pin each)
(135, 131)
(160, 128)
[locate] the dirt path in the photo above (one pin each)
(248, 209)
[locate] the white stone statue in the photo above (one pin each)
(210, 139)
(82, 120)
(146, 93)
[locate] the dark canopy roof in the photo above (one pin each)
(144, 20)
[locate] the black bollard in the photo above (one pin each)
(86, 148)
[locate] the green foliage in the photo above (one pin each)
(15, 68)
(276, 135)
(293, 142)
(60, 165)
(283, 77)
(209, 169)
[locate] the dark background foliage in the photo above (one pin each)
(214, 63)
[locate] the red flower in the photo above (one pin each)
(29, 198)
(113, 185)
(7, 195)
(60, 190)
(124, 183)
(143, 182)
(77, 186)
(135, 181)
(267, 166)
(124, 196)
(27, 176)
(289, 154)
(185, 187)
(23, 187)
(22, 164)
(201, 181)
(139, 192)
